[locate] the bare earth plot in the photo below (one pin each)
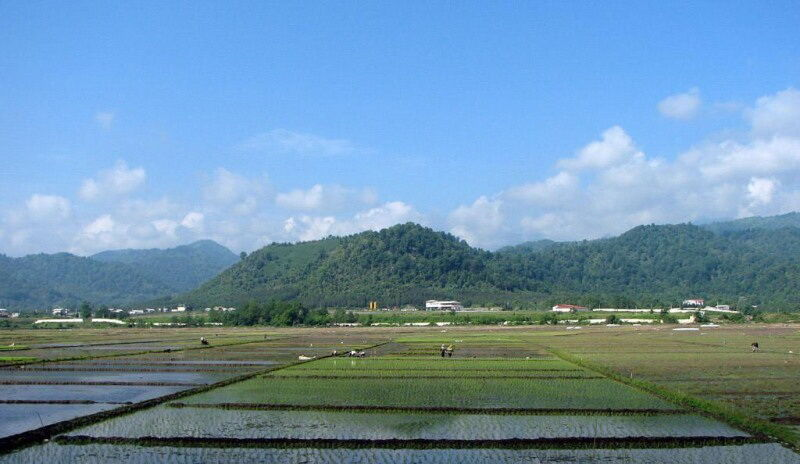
(505, 396)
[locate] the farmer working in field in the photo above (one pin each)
(754, 347)
(450, 351)
(443, 350)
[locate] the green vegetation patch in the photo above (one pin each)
(198, 422)
(437, 364)
(429, 373)
(485, 393)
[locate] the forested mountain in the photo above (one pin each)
(42, 281)
(756, 222)
(112, 278)
(409, 263)
(535, 245)
(181, 268)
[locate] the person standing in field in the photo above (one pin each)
(442, 350)
(450, 351)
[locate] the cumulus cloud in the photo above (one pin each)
(105, 119)
(236, 193)
(307, 227)
(682, 106)
(282, 141)
(777, 114)
(615, 146)
(118, 180)
(324, 197)
(479, 222)
(610, 186)
(48, 208)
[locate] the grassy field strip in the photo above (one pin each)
(132, 454)
(135, 353)
(473, 377)
(511, 443)
(125, 369)
(458, 393)
(371, 425)
(29, 437)
(428, 409)
(723, 412)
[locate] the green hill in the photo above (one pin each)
(409, 263)
(43, 281)
(119, 277)
(181, 268)
(756, 222)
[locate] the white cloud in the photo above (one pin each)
(236, 193)
(777, 114)
(325, 198)
(48, 208)
(478, 223)
(282, 141)
(119, 180)
(563, 186)
(615, 146)
(193, 220)
(682, 106)
(316, 227)
(610, 186)
(386, 215)
(105, 119)
(761, 190)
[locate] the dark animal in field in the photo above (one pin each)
(754, 347)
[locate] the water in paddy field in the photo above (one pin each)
(92, 454)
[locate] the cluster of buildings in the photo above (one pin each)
(439, 305)
(688, 306)
(5, 314)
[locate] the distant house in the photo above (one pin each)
(136, 311)
(698, 302)
(437, 305)
(60, 312)
(180, 309)
(723, 307)
(4, 313)
(568, 308)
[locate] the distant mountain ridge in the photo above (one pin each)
(181, 268)
(116, 277)
(653, 264)
(756, 222)
(755, 260)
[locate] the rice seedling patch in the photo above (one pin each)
(200, 422)
(136, 454)
(488, 393)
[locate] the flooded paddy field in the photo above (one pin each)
(506, 395)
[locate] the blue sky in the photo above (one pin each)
(156, 123)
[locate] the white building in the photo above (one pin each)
(136, 311)
(60, 312)
(568, 308)
(437, 305)
(180, 309)
(699, 302)
(4, 312)
(723, 307)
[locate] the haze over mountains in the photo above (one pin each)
(116, 277)
(757, 258)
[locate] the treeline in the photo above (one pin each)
(648, 266)
(280, 314)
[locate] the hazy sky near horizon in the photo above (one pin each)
(152, 124)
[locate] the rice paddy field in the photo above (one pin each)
(507, 395)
